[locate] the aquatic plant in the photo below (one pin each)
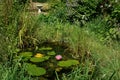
(26, 54)
(68, 63)
(33, 70)
(41, 59)
(52, 53)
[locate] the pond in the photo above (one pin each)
(48, 58)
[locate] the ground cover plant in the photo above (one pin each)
(80, 45)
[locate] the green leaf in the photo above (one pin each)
(52, 53)
(64, 64)
(26, 54)
(35, 59)
(73, 62)
(68, 63)
(34, 70)
(46, 57)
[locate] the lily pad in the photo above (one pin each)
(36, 59)
(34, 70)
(52, 53)
(26, 54)
(68, 63)
(18, 58)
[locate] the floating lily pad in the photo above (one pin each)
(36, 59)
(45, 48)
(52, 53)
(46, 57)
(34, 70)
(26, 54)
(68, 63)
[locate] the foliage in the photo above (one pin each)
(81, 72)
(13, 72)
(68, 63)
(26, 54)
(104, 32)
(8, 30)
(41, 59)
(111, 15)
(34, 70)
(30, 43)
(75, 10)
(100, 64)
(80, 12)
(51, 53)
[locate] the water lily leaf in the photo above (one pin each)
(64, 64)
(73, 62)
(26, 54)
(46, 57)
(34, 70)
(52, 53)
(41, 59)
(68, 63)
(45, 48)
(34, 59)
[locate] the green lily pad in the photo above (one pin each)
(41, 59)
(45, 48)
(68, 63)
(46, 57)
(34, 70)
(26, 54)
(19, 58)
(74, 62)
(52, 53)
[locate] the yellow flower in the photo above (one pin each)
(38, 55)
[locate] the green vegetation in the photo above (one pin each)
(75, 40)
(68, 63)
(34, 70)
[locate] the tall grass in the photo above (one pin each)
(13, 72)
(8, 30)
(105, 59)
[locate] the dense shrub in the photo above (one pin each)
(84, 11)
(75, 10)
